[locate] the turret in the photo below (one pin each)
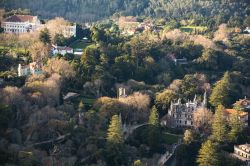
(179, 101)
(204, 103)
(195, 98)
(19, 70)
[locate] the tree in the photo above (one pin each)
(81, 106)
(154, 130)
(115, 139)
(39, 52)
(188, 137)
(59, 39)
(221, 91)
(59, 66)
(164, 99)
(203, 119)
(115, 133)
(80, 112)
(137, 163)
(138, 107)
(44, 36)
(247, 21)
(57, 26)
(236, 126)
(219, 130)
(154, 117)
(208, 154)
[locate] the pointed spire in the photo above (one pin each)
(204, 103)
(179, 101)
(195, 98)
(171, 105)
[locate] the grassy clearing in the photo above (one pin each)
(189, 29)
(88, 101)
(79, 44)
(169, 138)
(14, 49)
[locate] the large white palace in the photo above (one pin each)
(21, 24)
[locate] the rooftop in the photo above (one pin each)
(243, 102)
(233, 111)
(20, 18)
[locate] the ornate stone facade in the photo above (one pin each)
(181, 115)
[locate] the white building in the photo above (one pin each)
(78, 52)
(247, 30)
(181, 115)
(21, 24)
(32, 68)
(242, 152)
(122, 92)
(61, 50)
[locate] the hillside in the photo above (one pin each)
(88, 10)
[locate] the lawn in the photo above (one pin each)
(87, 101)
(15, 49)
(193, 28)
(79, 44)
(169, 138)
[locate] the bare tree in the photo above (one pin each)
(138, 105)
(2, 11)
(222, 34)
(203, 120)
(45, 92)
(59, 66)
(39, 52)
(57, 26)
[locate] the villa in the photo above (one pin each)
(21, 24)
(181, 115)
(180, 61)
(247, 30)
(61, 50)
(32, 68)
(242, 152)
(243, 116)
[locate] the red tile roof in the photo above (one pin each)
(20, 18)
(233, 111)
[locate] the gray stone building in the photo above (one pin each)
(181, 114)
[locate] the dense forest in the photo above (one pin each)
(150, 82)
(87, 10)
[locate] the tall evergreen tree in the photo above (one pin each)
(81, 106)
(236, 127)
(44, 36)
(114, 147)
(188, 137)
(208, 155)
(137, 163)
(154, 130)
(221, 91)
(219, 125)
(115, 133)
(154, 117)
